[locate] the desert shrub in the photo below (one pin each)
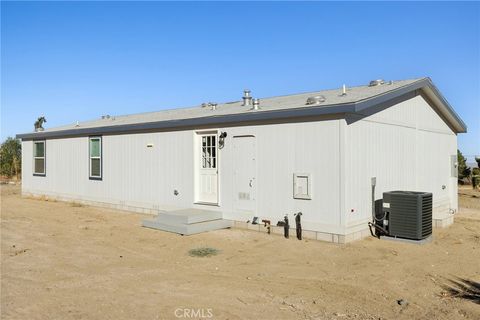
(203, 252)
(475, 181)
(10, 157)
(463, 170)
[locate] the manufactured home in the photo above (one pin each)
(317, 153)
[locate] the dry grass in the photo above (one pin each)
(76, 204)
(203, 252)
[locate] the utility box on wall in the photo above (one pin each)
(454, 165)
(302, 186)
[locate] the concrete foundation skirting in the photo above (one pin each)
(443, 222)
(330, 237)
(92, 203)
(438, 222)
(306, 234)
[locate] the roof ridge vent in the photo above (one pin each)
(316, 100)
(377, 82)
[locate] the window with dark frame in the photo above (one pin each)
(95, 157)
(39, 158)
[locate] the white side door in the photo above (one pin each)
(207, 168)
(244, 174)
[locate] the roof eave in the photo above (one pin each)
(431, 90)
(359, 107)
(252, 116)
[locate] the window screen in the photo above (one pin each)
(95, 150)
(39, 157)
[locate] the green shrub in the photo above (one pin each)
(203, 252)
(11, 158)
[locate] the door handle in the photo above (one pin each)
(251, 183)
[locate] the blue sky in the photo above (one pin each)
(76, 61)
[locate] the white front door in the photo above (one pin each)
(207, 184)
(244, 174)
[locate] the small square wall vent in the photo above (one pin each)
(302, 186)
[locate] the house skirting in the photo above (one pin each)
(443, 222)
(330, 237)
(93, 203)
(306, 234)
(356, 233)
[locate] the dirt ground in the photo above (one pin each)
(65, 261)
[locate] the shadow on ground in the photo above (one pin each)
(463, 289)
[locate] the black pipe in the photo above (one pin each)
(298, 225)
(377, 214)
(382, 231)
(374, 182)
(286, 227)
(266, 224)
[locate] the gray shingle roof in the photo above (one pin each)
(294, 104)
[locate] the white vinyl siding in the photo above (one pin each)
(39, 158)
(95, 157)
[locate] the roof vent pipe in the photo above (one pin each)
(344, 90)
(247, 98)
(211, 105)
(256, 104)
(315, 100)
(375, 83)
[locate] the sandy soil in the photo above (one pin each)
(63, 261)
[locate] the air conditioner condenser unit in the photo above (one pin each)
(408, 214)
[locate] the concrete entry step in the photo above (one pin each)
(189, 229)
(188, 221)
(187, 216)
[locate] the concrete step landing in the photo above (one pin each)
(188, 221)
